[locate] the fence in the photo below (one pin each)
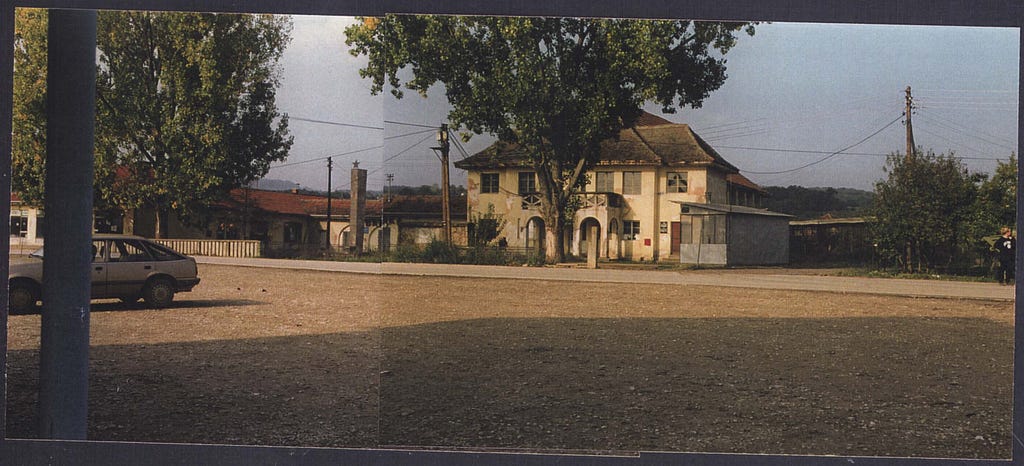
(214, 247)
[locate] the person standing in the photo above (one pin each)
(1006, 245)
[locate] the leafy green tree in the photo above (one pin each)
(922, 210)
(996, 205)
(185, 106)
(556, 87)
(28, 165)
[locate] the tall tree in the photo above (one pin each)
(922, 210)
(555, 86)
(996, 205)
(185, 107)
(28, 163)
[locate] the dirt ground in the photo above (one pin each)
(284, 357)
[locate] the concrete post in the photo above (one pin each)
(67, 264)
(357, 210)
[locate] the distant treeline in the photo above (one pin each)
(811, 203)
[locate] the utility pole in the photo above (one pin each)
(330, 168)
(442, 138)
(910, 128)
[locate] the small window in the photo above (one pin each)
(676, 182)
(631, 183)
(630, 230)
(527, 183)
(163, 253)
(127, 251)
(603, 182)
(489, 183)
(292, 232)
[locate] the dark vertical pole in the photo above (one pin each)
(6, 111)
(910, 128)
(1018, 329)
(330, 167)
(70, 114)
(446, 212)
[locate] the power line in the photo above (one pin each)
(333, 123)
(410, 134)
(434, 127)
(818, 152)
(407, 149)
(325, 157)
(956, 127)
(830, 155)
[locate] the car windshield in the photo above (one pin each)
(37, 253)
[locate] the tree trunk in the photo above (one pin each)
(158, 224)
(554, 239)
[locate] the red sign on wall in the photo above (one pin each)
(647, 241)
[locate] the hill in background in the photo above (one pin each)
(811, 203)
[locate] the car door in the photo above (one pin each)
(99, 268)
(128, 267)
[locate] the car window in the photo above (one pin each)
(161, 252)
(98, 250)
(128, 251)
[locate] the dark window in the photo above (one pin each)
(19, 226)
(630, 230)
(162, 253)
(128, 251)
(677, 182)
(527, 183)
(489, 183)
(292, 232)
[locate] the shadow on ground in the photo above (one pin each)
(937, 387)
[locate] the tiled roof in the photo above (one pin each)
(651, 141)
(288, 203)
(740, 180)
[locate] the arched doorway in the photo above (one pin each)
(585, 239)
(535, 235)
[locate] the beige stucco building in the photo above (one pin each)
(633, 196)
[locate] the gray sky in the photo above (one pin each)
(796, 94)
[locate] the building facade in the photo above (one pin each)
(633, 193)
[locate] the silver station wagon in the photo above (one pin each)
(125, 267)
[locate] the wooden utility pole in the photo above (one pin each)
(442, 138)
(910, 129)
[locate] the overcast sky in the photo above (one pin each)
(795, 95)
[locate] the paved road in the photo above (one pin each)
(724, 278)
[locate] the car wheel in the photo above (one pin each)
(158, 293)
(22, 297)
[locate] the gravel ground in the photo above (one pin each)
(286, 357)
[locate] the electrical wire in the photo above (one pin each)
(407, 149)
(830, 155)
(333, 123)
(325, 157)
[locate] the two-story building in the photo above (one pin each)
(641, 194)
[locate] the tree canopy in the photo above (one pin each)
(555, 86)
(185, 106)
(922, 210)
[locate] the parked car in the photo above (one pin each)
(125, 267)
